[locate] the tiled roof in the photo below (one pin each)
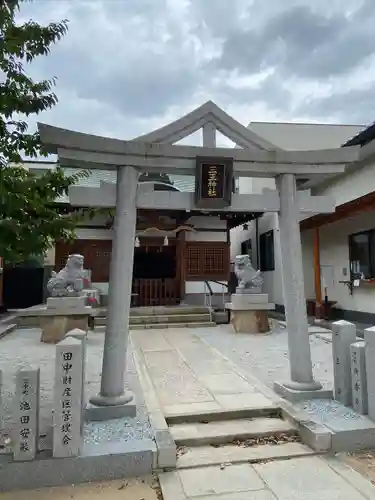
(185, 183)
(362, 138)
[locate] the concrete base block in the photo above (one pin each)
(249, 291)
(318, 437)
(353, 440)
(242, 300)
(166, 450)
(99, 413)
(66, 302)
(54, 328)
(265, 306)
(250, 321)
(295, 396)
(99, 462)
(325, 421)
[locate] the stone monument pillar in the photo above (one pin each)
(113, 401)
(302, 384)
(249, 305)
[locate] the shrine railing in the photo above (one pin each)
(155, 292)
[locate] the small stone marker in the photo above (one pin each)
(369, 337)
(67, 425)
(343, 335)
(26, 414)
(358, 371)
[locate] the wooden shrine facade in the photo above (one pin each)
(161, 270)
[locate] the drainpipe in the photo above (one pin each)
(319, 308)
(257, 241)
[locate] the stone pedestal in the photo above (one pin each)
(62, 315)
(249, 312)
(250, 321)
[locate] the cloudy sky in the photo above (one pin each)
(128, 66)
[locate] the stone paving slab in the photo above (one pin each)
(307, 478)
(216, 481)
(227, 383)
(192, 408)
(311, 329)
(189, 378)
(174, 382)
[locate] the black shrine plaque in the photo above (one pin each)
(213, 182)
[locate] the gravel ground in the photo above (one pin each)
(22, 349)
(145, 488)
(266, 356)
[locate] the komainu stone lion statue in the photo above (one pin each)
(69, 281)
(249, 280)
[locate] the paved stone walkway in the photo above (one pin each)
(188, 376)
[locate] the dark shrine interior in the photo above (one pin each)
(155, 262)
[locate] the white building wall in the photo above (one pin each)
(334, 261)
(334, 249)
(296, 136)
(334, 244)
(248, 185)
(352, 185)
(304, 136)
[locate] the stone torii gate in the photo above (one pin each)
(156, 152)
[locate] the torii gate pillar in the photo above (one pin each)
(114, 401)
(301, 384)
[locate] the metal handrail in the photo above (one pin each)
(210, 292)
(208, 297)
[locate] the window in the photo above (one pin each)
(266, 250)
(207, 260)
(246, 247)
(362, 254)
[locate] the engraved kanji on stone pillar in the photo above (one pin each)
(26, 414)
(67, 425)
(343, 335)
(358, 371)
(369, 337)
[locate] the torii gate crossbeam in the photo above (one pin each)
(129, 158)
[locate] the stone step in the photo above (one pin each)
(161, 310)
(7, 328)
(173, 318)
(155, 326)
(202, 456)
(196, 324)
(245, 411)
(227, 431)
